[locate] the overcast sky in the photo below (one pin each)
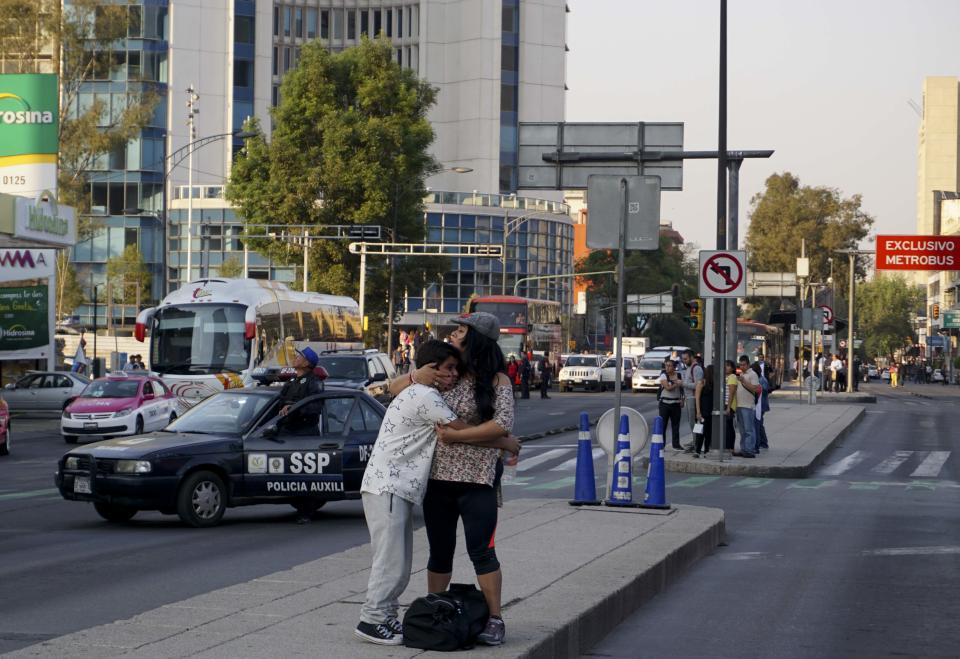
(825, 83)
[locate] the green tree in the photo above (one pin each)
(349, 146)
(129, 277)
(884, 306)
(69, 291)
(648, 272)
(77, 40)
(231, 268)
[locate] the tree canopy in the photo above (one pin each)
(883, 313)
(349, 147)
(129, 277)
(786, 213)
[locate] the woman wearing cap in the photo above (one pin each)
(464, 477)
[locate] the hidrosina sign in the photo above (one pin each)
(918, 252)
(29, 124)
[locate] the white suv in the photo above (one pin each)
(608, 375)
(580, 371)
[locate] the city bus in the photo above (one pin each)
(526, 325)
(213, 334)
(755, 339)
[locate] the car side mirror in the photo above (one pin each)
(379, 377)
(11, 386)
(148, 396)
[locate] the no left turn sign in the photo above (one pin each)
(723, 273)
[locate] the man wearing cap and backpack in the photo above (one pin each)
(304, 383)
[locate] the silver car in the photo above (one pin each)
(46, 391)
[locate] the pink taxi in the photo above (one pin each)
(119, 404)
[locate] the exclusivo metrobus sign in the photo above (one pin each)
(29, 137)
(918, 252)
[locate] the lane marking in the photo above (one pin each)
(567, 481)
(811, 484)
(694, 481)
(29, 494)
(544, 447)
(913, 551)
(540, 459)
(567, 465)
(846, 464)
(890, 465)
(752, 483)
(931, 465)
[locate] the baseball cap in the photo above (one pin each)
(309, 354)
(484, 323)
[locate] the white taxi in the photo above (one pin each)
(118, 404)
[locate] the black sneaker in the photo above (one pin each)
(396, 626)
(381, 634)
(493, 633)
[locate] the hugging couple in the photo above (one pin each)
(439, 445)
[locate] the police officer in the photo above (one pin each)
(304, 384)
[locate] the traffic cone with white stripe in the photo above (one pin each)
(585, 487)
(621, 486)
(656, 491)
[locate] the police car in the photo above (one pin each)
(232, 449)
(119, 404)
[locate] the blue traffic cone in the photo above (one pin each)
(656, 492)
(621, 487)
(585, 487)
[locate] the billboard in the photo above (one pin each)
(27, 293)
(918, 252)
(29, 125)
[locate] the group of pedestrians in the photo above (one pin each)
(833, 370)
(521, 371)
(441, 445)
(745, 402)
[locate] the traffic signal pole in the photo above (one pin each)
(718, 426)
(733, 209)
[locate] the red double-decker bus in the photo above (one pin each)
(526, 325)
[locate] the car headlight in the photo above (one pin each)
(71, 463)
(66, 414)
(124, 412)
(133, 467)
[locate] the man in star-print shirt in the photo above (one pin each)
(394, 482)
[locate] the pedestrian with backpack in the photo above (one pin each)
(670, 398)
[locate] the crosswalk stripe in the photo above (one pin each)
(846, 464)
(567, 465)
(931, 465)
(540, 459)
(890, 465)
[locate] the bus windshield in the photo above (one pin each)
(509, 314)
(199, 339)
(511, 345)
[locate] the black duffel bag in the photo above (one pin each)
(446, 621)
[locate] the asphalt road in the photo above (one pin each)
(62, 568)
(859, 561)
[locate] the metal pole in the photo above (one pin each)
(503, 257)
(95, 370)
(853, 263)
(718, 425)
(246, 259)
(803, 302)
(733, 242)
(306, 260)
(621, 301)
(393, 267)
(363, 283)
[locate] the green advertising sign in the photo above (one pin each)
(29, 114)
(23, 317)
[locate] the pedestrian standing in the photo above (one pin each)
(748, 386)
(546, 370)
(762, 407)
(691, 376)
(729, 403)
(670, 398)
(526, 370)
(835, 367)
(703, 398)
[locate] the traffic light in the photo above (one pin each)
(695, 317)
(936, 311)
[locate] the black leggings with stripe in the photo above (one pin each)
(445, 503)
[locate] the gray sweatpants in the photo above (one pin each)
(390, 522)
(691, 410)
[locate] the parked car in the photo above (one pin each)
(937, 375)
(580, 371)
(646, 373)
(118, 404)
(231, 449)
(4, 428)
(872, 372)
(43, 391)
(367, 370)
(608, 375)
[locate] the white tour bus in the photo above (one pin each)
(211, 334)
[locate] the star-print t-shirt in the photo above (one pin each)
(402, 455)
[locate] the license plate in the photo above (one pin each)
(81, 485)
(578, 381)
(90, 426)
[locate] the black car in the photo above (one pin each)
(232, 449)
(367, 370)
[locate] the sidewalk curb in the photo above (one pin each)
(589, 627)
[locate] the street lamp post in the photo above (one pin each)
(192, 110)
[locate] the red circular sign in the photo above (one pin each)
(731, 274)
(827, 313)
